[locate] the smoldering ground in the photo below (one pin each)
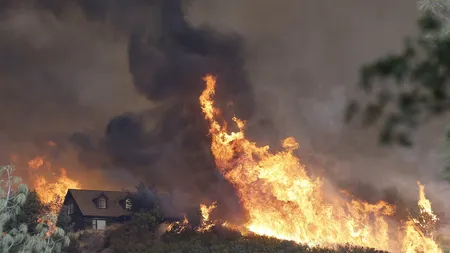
(119, 82)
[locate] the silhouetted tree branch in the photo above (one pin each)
(407, 88)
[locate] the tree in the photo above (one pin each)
(412, 86)
(29, 213)
(145, 206)
(13, 196)
(440, 9)
(64, 221)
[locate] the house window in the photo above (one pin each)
(128, 204)
(70, 209)
(102, 203)
(98, 224)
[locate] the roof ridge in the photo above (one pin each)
(84, 200)
(70, 189)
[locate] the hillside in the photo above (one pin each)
(135, 238)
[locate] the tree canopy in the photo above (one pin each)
(408, 88)
(23, 228)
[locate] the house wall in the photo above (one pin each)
(87, 221)
(77, 216)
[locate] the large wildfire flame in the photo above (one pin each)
(52, 191)
(282, 201)
(50, 187)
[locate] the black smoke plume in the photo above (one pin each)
(169, 145)
(62, 79)
(118, 81)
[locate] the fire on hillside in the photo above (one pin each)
(278, 196)
(50, 185)
(282, 201)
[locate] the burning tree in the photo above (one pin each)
(30, 213)
(13, 195)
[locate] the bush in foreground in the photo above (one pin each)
(137, 239)
(16, 236)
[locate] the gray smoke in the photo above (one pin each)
(116, 85)
(303, 64)
(163, 59)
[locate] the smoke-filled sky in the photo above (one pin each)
(116, 83)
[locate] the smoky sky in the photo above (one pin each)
(116, 85)
(303, 64)
(167, 67)
(165, 143)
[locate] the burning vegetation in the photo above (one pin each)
(50, 187)
(51, 191)
(282, 201)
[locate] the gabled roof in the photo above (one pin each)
(85, 201)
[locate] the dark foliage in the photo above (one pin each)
(29, 214)
(144, 198)
(64, 221)
(146, 207)
(409, 87)
(129, 239)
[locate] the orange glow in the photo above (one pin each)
(50, 190)
(14, 158)
(282, 201)
(51, 144)
(53, 193)
(36, 163)
(48, 220)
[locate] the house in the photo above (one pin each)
(97, 209)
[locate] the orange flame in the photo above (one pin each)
(282, 201)
(179, 226)
(51, 227)
(36, 163)
(206, 223)
(51, 192)
(421, 229)
(206, 211)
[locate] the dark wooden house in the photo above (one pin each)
(97, 209)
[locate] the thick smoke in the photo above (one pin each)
(60, 73)
(116, 85)
(168, 145)
(163, 142)
(304, 66)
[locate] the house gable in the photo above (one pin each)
(88, 202)
(73, 210)
(101, 201)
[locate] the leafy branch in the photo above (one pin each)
(407, 88)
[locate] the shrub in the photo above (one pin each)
(15, 237)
